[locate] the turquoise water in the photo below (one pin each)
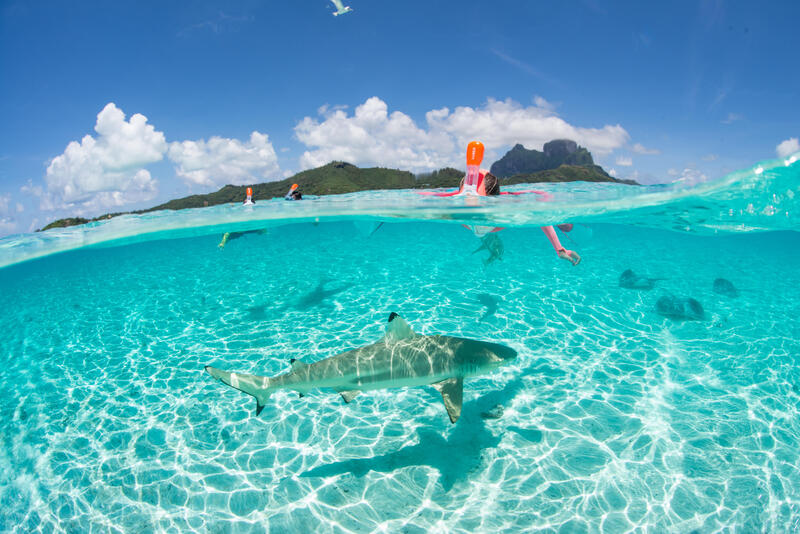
(613, 418)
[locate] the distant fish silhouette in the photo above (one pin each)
(630, 280)
(494, 245)
(725, 287)
(318, 296)
(258, 312)
(341, 9)
(680, 308)
(490, 302)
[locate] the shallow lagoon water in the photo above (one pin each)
(612, 419)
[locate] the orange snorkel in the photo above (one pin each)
(474, 159)
(249, 196)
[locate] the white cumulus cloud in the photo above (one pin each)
(641, 149)
(373, 136)
(501, 123)
(107, 170)
(220, 161)
(788, 147)
(624, 162)
(542, 103)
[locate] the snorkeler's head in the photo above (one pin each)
(489, 186)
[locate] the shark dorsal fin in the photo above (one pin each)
(452, 391)
(297, 364)
(398, 329)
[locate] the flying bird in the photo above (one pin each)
(340, 8)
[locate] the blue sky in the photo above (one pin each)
(656, 91)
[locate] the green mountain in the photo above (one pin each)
(520, 160)
(566, 173)
(334, 178)
(338, 177)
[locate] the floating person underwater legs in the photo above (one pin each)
(493, 244)
(488, 185)
(481, 182)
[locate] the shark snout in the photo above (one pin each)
(497, 354)
(504, 352)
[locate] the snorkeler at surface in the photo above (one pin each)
(248, 199)
(294, 193)
(489, 185)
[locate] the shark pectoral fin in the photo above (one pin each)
(452, 391)
(257, 386)
(398, 329)
(349, 395)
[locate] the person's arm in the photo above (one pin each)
(570, 255)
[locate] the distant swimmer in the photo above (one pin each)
(248, 199)
(341, 9)
(294, 193)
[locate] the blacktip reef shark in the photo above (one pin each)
(341, 9)
(401, 358)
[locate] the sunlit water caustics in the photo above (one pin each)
(627, 406)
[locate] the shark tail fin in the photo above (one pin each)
(257, 386)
